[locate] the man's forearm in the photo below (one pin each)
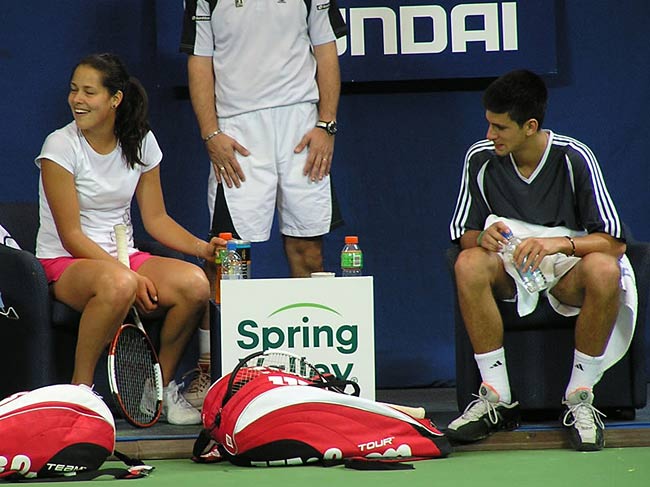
(328, 78)
(469, 239)
(201, 85)
(597, 242)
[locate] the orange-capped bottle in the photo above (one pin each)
(218, 259)
(351, 257)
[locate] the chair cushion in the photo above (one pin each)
(63, 316)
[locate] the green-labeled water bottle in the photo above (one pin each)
(351, 257)
(221, 254)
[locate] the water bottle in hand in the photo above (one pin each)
(534, 281)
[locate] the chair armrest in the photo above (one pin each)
(23, 282)
(156, 248)
(24, 321)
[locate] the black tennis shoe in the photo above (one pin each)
(484, 416)
(583, 420)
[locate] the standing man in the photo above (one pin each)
(548, 190)
(264, 83)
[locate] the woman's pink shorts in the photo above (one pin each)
(55, 267)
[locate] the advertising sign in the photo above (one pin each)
(437, 39)
(328, 321)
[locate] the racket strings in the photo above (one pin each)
(292, 364)
(136, 377)
(255, 366)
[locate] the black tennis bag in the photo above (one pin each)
(58, 432)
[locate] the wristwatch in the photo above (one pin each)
(329, 127)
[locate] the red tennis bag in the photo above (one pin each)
(55, 431)
(279, 418)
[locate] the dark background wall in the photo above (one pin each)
(398, 156)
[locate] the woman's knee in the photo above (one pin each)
(116, 287)
(192, 285)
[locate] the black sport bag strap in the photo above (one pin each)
(136, 470)
(117, 473)
(332, 383)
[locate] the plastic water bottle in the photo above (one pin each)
(231, 264)
(351, 257)
(244, 251)
(221, 254)
(533, 281)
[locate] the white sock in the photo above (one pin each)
(585, 373)
(204, 342)
(492, 366)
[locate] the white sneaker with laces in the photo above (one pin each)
(586, 428)
(196, 391)
(484, 416)
(176, 410)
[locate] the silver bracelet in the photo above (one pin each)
(213, 134)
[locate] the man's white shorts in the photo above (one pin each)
(274, 176)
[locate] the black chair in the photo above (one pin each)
(539, 353)
(39, 333)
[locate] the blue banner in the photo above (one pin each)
(438, 39)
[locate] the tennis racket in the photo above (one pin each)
(256, 363)
(134, 373)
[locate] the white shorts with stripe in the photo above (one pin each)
(274, 176)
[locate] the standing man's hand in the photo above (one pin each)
(221, 149)
(321, 150)
(320, 140)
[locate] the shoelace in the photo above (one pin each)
(584, 416)
(200, 383)
(478, 407)
(178, 399)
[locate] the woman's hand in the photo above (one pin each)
(146, 296)
(209, 250)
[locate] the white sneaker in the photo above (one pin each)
(196, 391)
(176, 410)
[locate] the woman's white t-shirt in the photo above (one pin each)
(105, 186)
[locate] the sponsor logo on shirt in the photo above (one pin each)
(323, 6)
(201, 18)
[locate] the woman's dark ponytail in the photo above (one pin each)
(131, 121)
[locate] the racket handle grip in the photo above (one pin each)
(416, 412)
(121, 243)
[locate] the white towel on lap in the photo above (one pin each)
(554, 267)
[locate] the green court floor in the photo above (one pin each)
(612, 467)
